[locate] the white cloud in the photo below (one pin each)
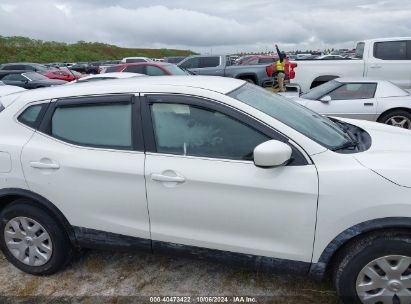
(220, 25)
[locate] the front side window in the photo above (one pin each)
(321, 90)
(391, 50)
(350, 91)
(97, 125)
(193, 131)
(314, 126)
(191, 63)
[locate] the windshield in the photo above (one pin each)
(175, 70)
(316, 127)
(318, 92)
(34, 76)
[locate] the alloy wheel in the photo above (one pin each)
(28, 241)
(399, 121)
(385, 280)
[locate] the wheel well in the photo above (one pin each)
(330, 254)
(322, 79)
(8, 196)
(392, 110)
(248, 76)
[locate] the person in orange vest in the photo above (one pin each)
(280, 66)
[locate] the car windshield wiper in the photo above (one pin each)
(346, 145)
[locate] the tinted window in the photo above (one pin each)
(354, 91)
(187, 130)
(391, 50)
(175, 70)
(35, 76)
(155, 71)
(209, 62)
(14, 77)
(266, 60)
(359, 50)
(192, 63)
(111, 69)
(141, 69)
(321, 90)
(31, 116)
(102, 125)
(134, 60)
(13, 67)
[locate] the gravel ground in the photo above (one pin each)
(114, 277)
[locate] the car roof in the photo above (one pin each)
(113, 75)
(217, 84)
(386, 39)
(145, 63)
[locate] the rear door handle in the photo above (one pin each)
(43, 165)
(165, 178)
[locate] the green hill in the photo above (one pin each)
(16, 49)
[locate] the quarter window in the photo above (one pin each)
(96, 125)
(391, 50)
(32, 115)
(354, 91)
(189, 130)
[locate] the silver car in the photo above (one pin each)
(360, 98)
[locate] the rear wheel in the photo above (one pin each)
(32, 240)
(397, 118)
(376, 270)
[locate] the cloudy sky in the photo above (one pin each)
(208, 25)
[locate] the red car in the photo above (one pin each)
(60, 74)
(259, 59)
(148, 68)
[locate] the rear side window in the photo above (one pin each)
(107, 125)
(391, 50)
(134, 60)
(266, 60)
(33, 115)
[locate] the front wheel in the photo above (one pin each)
(32, 240)
(375, 270)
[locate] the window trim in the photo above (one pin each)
(299, 158)
(137, 143)
(345, 83)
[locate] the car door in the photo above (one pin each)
(212, 65)
(391, 60)
(87, 158)
(351, 100)
(204, 190)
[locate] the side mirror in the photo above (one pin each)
(326, 99)
(272, 153)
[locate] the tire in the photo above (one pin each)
(372, 251)
(46, 245)
(398, 118)
(250, 80)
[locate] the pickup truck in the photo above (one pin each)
(219, 65)
(382, 59)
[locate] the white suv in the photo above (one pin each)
(206, 165)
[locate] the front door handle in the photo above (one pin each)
(44, 165)
(368, 104)
(165, 178)
(375, 66)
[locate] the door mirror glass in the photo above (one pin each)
(272, 153)
(326, 99)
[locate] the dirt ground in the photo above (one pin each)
(115, 277)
